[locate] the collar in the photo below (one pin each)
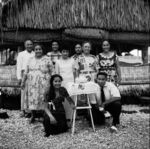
(105, 85)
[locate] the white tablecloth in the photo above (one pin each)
(82, 88)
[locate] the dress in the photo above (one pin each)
(65, 67)
(86, 65)
(58, 112)
(108, 65)
(38, 75)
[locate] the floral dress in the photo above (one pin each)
(86, 66)
(38, 75)
(108, 65)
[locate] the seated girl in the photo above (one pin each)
(54, 116)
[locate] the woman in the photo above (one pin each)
(86, 63)
(65, 68)
(37, 76)
(108, 63)
(55, 119)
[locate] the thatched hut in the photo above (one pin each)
(126, 23)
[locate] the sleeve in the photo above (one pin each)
(57, 68)
(114, 91)
(27, 67)
(50, 66)
(97, 62)
(19, 66)
(65, 92)
(98, 93)
(76, 64)
(73, 65)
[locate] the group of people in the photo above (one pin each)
(43, 80)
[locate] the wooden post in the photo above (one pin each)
(145, 55)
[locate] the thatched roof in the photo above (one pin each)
(120, 15)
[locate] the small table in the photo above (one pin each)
(75, 89)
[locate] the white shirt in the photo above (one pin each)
(110, 91)
(65, 67)
(22, 61)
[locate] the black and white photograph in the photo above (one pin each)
(74, 74)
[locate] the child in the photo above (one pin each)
(54, 119)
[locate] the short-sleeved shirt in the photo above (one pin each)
(110, 91)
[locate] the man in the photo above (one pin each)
(78, 50)
(110, 99)
(55, 53)
(22, 61)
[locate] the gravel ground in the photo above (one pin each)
(16, 133)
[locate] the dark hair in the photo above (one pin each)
(65, 49)
(38, 44)
(54, 41)
(77, 44)
(102, 73)
(52, 90)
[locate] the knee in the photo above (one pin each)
(117, 103)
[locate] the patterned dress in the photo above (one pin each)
(108, 65)
(38, 75)
(86, 65)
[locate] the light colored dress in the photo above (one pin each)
(86, 65)
(38, 79)
(65, 67)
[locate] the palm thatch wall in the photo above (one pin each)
(121, 15)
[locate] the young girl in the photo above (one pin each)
(54, 119)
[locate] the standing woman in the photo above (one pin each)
(37, 76)
(86, 63)
(108, 63)
(65, 68)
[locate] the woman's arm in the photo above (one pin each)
(57, 68)
(24, 77)
(52, 118)
(66, 95)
